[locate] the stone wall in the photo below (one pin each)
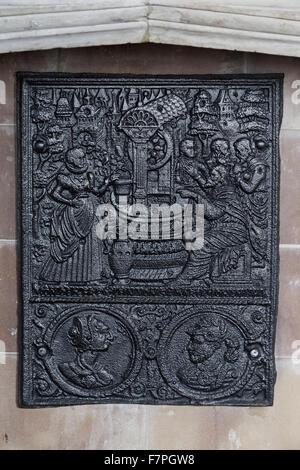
(143, 426)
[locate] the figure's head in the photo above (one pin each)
(242, 148)
(217, 175)
(90, 334)
(85, 140)
(206, 337)
(221, 149)
(76, 159)
(187, 148)
(209, 335)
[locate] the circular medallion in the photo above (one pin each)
(203, 356)
(91, 352)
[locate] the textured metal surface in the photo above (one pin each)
(148, 321)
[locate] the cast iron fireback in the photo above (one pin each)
(118, 302)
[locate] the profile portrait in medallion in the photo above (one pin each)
(212, 354)
(90, 338)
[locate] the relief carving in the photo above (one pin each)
(122, 303)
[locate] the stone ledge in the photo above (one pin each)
(241, 25)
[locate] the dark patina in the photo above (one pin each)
(148, 320)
